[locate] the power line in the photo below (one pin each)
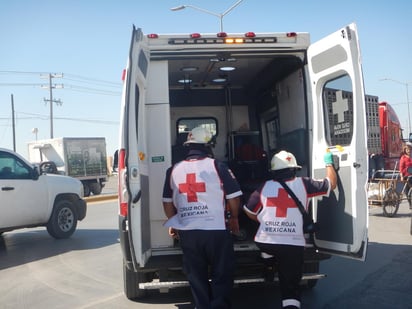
(89, 120)
(92, 90)
(100, 89)
(22, 72)
(69, 87)
(45, 117)
(20, 84)
(85, 79)
(99, 81)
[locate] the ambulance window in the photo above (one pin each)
(338, 109)
(187, 124)
(143, 63)
(137, 98)
(272, 133)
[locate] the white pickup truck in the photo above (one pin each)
(31, 197)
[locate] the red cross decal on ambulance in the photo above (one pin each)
(191, 187)
(282, 199)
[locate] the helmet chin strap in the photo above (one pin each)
(284, 174)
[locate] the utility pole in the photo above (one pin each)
(50, 76)
(13, 123)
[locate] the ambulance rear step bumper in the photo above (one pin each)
(164, 286)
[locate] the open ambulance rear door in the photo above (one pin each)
(133, 175)
(339, 125)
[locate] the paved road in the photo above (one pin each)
(84, 271)
(385, 279)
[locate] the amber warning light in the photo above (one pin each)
(234, 40)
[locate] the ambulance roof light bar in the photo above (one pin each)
(219, 15)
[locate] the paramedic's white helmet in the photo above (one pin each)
(199, 135)
(282, 160)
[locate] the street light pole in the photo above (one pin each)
(406, 84)
(219, 15)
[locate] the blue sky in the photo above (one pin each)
(88, 41)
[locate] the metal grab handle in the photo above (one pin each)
(137, 197)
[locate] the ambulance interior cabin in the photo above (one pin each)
(255, 106)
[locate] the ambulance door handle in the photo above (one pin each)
(356, 165)
(137, 197)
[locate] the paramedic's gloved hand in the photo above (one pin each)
(328, 159)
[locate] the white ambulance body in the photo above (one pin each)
(265, 92)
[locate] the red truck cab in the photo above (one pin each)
(391, 135)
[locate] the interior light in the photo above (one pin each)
(184, 81)
(219, 80)
(189, 69)
(227, 69)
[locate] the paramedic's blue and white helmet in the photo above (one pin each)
(283, 160)
(199, 135)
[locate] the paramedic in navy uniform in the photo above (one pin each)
(280, 233)
(195, 195)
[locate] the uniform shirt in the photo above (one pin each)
(280, 221)
(198, 187)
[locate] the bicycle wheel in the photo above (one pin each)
(411, 225)
(409, 198)
(391, 201)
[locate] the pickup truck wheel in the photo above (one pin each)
(96, 188)
(131, 281)
(63, 221)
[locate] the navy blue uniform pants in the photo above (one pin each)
(289, 260)
(209, 254)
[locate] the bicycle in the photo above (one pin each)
(387, 189)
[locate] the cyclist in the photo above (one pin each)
(405, 163)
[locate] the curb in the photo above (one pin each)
(101, 197)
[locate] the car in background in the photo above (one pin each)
(31, 197)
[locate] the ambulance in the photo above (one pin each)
(258, 93)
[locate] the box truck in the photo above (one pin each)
(83, 158)
(258, 93)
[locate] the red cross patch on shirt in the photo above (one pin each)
(191, 187)
(282, 202)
